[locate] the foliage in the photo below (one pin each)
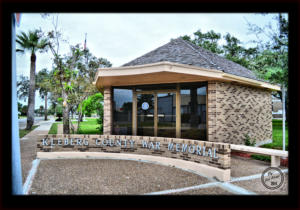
(33, 41)
(20, 107)
(261, 157)
(275, 51)
(24, 110)
(269, 60)
(59, 111)
(249, 141)
(94, 103)
(232, 49)
(208, 41)
(277, 136)
(272, 64)
(43, 82)
(23, 88)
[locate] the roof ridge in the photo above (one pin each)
(199, 53)
(149, 52)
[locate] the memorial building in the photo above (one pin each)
(181, 90)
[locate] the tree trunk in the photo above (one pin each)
(66, 125)
(46, 106)
(78, 122)
(79, 118)
(31, 97)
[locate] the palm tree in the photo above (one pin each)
(31, 42)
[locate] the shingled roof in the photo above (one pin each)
(184, 52)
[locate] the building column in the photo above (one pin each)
(212, 111)
(107, 115)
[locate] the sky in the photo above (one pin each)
(123, 37)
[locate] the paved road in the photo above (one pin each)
(37, 120)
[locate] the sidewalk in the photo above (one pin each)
(28, 145)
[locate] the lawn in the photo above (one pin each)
(89, 126)
(24, 132)
(277, 136)
(53, 129)
(277, 140)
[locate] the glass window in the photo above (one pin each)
(122, 111)
(193, 110)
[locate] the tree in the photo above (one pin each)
(94, 103)
(208, 40)
(32, 42)
(82, 84)
(73, 74)
(44, 86)
(23, 88)
(41, 110)
(20, 108)
(232, 50)
(272, 63)
(24, 110)
(63, 70)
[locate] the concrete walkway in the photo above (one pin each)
(28, 145)
(37, 120)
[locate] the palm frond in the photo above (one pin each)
(20, 50)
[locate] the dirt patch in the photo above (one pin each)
(109, 177)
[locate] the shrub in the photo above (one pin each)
(248, 141)
(261, 157)
(59, 115)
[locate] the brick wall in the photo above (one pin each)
(222, 150)
(235, 110)
(107, 115)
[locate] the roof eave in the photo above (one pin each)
(170, 67)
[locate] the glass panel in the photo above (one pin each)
(166, 110)
(193, 111)
(122, 111)
(145, 114)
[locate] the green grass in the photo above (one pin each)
(53, 129)
(261, 157)
(24, 132)
(277, 136)
(89, 126)
(22, 117)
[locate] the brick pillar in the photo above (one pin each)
(212, 111)
(107, 115)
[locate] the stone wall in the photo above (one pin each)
(187, 149)
(235, 110)
(107, 115)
